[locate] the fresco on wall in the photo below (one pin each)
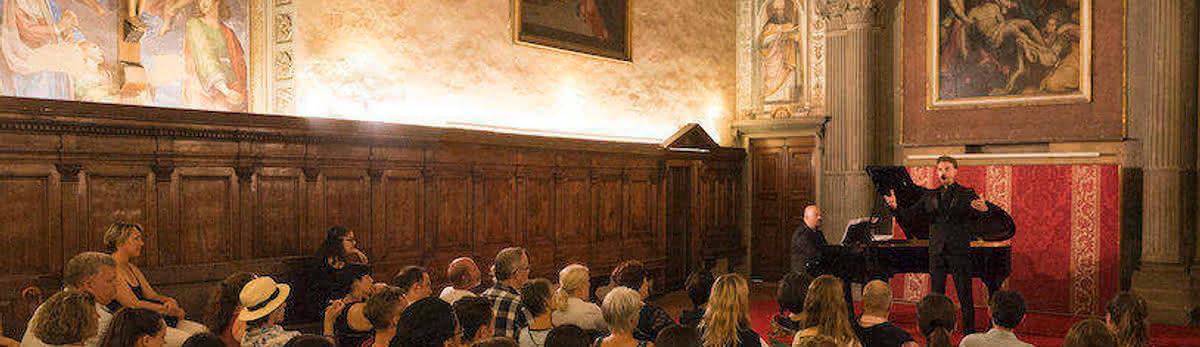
(596, 27)
(1009, 52)
(194, 51)
(780, 46)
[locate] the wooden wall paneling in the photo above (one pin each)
(399, 237)
(31, 216)
(679, 223)
(126, 192)
(448, 212)
(246, 177)
(347, 196)
(769, 162)
(644, 201)
(207, 200)
(574, 216)
(166, 200)
(535, 216)
(71, 221)
(314, 208)
(277, 217)
(609, 198)
(494, 205)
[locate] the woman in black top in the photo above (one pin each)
(345, 320)
(651, 319)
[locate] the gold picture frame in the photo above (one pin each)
(593, 28)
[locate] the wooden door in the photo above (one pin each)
(679, 226)
(783, 185)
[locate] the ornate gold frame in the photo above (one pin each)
(1084, 95)
(570, 47)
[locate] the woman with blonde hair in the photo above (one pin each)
(67, 319)
(825, 312)
(571, 298)
(726, 322)
(124, 241)
(621, 307)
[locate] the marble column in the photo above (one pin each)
(847, 191)
(1166, 105)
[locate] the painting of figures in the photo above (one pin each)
(595, 27)
(987, 53)
(780, 46)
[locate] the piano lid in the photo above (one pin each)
(995, 226)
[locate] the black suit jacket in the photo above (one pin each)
(950, 217)
(806, 245)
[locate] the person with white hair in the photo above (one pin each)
(621, 309)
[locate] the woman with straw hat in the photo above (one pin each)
(264, 302)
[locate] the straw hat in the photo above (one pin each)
(262, 296)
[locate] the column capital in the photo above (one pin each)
(843, 14)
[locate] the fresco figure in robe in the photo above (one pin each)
(779, 46)
(42, 48)
(215, 61)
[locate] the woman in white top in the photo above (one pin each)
(536, 297)
(574, 288)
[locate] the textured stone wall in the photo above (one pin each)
(454, 62)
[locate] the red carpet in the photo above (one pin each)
(1037, 329)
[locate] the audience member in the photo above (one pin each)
(428, 322)
(793, 288)
(124, 242)
(498, 341)
(383, 311)
(1128, 319)
(511, 271)
(414, 281)
(344, 319)
(875, 329)
(574, 290)
(727, 320)
(825, 310)
(621, 307)
(67, 319)
(652, 319)
(678, 336)
(135, 327)
(815, 341)
(326, 280)
(568, 336)
(92, 272)
(206, 340)
(224, 306)
(464, 276)
(309, 340)
(475, 318)
(265, 304)
(1008, 309)
(699, 285)
(536, 296)
(1090, 333)
(935, 319)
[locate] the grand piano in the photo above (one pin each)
(864, 254)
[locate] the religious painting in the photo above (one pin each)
(193, 52)
(595, 27)
(780, 46)
(987, 53)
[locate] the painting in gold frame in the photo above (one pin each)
(594, 27)
(996, 53)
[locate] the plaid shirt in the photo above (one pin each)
(510, 313)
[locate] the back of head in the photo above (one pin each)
(508, 261)
(728, 310)
(568, 336)
(224, 300)
(309, 340)
(571, 278)
(935, 318)
(1008, 308)
(677, 336)
(68, 317)
(1128, 313)
(535, 295)
(877, 297)
(699, 286)
(815, 341)
(793, 288)
(85, 265)
(500, 341)
(204, 340)
(382, 307)
(1090, 333)
(461, 272)
(473, 313)
(130, 325)
(826, 309)
(408, 277)
(429, 322)
(630, 274)
(620, 309)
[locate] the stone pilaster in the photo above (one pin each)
(847, 191)
(1166, 104)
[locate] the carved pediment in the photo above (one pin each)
(691, 137)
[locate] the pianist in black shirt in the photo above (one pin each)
(807, 240)
(951, 210)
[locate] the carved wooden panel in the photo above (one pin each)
(347, 203)
(784, 184)
(535, 189)
(27, 221)
(448, 213)
(205, 219)
(278, 216)
(126, 195)
(401, 231)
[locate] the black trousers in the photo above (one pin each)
(960, 267)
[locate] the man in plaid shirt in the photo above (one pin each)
(511, 271)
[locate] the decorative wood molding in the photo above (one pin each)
(311, 173)
(162, 172)
(68, 172)
(244, 173)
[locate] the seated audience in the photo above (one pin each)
(511, 271)
(875, 329)
(815, 341)
(124, 242)
(383, 311)
(1127, 317)
(621, 307)
(475, 318)
(678, 336)
(793, 287)
(568, 336)
(825, 312)
(224, 306)
(92, 272)
(428, 322)
(727, 321)
(463, 275)
(1008, 309)
(536, 296)
(1090, 333)
(936, 316)
(414, 281)
(310, 340)
(264, 303)
(327, 282)
(205, 340)
(135, 327)
(574, 290)
(498, 341)
(698, 286)
(67, 319)
(344, 319)
(652, 319)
